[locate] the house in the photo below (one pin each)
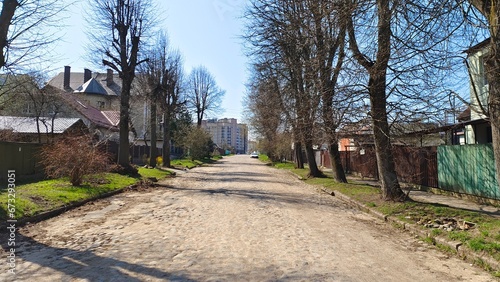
(101, 91)
(103, 123)
(96, 97)
(477, 127)
(27, 129)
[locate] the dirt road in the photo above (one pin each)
(237, 220)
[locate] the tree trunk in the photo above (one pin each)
(8, 10)
(153, 151)
(299, 159)
(337, 168)
(166, 140)
(311, 161)
(492, 67)
(491, 12)
(124, 146)
(383, 149)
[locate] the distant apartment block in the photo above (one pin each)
(228, 134)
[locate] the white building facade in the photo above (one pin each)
(228, 134)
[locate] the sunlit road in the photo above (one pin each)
(237, 220)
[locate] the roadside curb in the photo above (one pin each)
(58, 211)
(461, 251)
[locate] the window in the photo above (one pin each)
(482, 71)
(101, 105)
(29, 108)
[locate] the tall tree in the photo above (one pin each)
(328, 31)
(161, 78)
(171, 99)
(281, 30)
(120, 27)
(377, 84)
(406, 63)
(490, 9)
(203, 94)
(25, 31)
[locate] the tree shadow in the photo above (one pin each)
(81, 264)
(297, 199)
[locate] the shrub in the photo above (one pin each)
(200, 144)
(73, 157)
(159, 161)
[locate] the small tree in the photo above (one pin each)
(199, 143)
(73, 157)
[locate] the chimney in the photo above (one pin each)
(109, 77)
(87, 75)
(67, 72)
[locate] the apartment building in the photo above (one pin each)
(228, 134)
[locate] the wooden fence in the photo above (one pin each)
(21, 157)
(413, 165)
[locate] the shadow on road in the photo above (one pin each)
(82, 264)
(297, 199)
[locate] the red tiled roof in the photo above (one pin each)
(94, 115)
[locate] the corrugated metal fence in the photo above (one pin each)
(468, 169)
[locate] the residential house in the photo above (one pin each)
(477, 128)
(28, 130)
(96, 98)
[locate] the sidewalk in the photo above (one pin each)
(450, 201)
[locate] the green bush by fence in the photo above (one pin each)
(468, 169)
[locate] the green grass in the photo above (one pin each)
(185, 163)
(484, 237)
(36, 197)
(264, 158)
(154, 172)
(46, 195)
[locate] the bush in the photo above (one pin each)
(73, 157)
(199, 143)
(159, 161)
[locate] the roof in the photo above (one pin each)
(76, 82)
(99, 118)
(465, 115)
(91, 87)
(481, 45)
(28, 124)
(112, 116)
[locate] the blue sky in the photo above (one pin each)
(206, 32)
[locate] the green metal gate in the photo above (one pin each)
(468, 169)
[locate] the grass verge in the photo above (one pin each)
(46, 195)
(189, 164)
(482, 238)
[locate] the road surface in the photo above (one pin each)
(237, 220)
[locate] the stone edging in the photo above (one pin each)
(55, 212)
(462, 251)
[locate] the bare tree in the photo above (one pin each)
(203, 94)
(119, 28)
(170, 99)
(406, 63)
(491, 11)
(161, 78)
(25, 96)
(377, 70)
(265, 111)
(25, 31)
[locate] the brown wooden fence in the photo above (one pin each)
(415, 165)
